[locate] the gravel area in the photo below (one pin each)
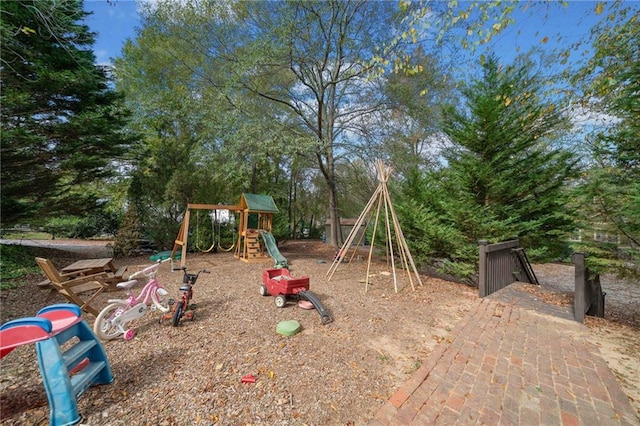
(622, 301)
(335, 374)
(338, 373)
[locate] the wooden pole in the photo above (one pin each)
(390, 244)
(185, 236)
(341, 254)
(402, 241)
(382, 197)
(373, 239)
(359, 243)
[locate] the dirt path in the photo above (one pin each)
(84, 248)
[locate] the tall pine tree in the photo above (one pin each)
(505, 174)
(62, 125)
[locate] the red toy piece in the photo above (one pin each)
(48, 323)
(249, 378)
(28, 332)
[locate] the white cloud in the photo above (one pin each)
(584, 118)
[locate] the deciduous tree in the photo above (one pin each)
(610, 187)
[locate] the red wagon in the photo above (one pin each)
(280, 284)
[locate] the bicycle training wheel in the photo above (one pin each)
(107, 325)
(177, 314)
(159, 300)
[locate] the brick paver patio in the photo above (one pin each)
(513, 360)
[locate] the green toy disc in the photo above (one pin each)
(288, 328)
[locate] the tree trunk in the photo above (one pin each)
(334, 216)
(292, 199)
(328, 171)
(254, 178)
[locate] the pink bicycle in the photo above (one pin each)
(113, 320)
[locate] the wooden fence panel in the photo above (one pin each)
(588, 296)
(497, 266)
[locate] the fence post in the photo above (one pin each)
(596, 298)
(579, 298)
(482, 272)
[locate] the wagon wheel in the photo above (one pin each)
(280, 301)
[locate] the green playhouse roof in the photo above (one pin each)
(259, 203)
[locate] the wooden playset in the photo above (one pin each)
(255, 221)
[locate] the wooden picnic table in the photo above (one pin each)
(96, 266)
(93, 266)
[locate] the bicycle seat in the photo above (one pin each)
(185, 287)
(127, 284)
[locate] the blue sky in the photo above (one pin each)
(116, 21)
(550, 27)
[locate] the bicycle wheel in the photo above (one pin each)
(177, 314)
(107, 326)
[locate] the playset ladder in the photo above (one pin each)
(67, 373)
(253, 246)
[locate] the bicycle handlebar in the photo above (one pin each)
(202, 271)
(149, 271)
(184, 270)
(192, 278)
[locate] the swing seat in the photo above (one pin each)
(215, 245)
(214, 248)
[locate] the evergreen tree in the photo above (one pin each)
(505, 177)
(610, 188)
(128, 240)
(62, 126)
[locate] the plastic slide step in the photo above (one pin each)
(65, 335)
(78, 351)
(83, 379)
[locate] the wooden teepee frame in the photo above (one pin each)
(382, 200)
